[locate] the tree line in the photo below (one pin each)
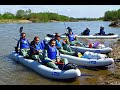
(112, 15)
(49, 16)
(41, 16)
(34, 17)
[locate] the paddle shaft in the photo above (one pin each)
(65, 26)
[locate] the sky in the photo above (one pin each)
(76, 11)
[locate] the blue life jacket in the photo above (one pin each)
(58, 44)
(24, 44)
(71, 37)
(52, 52)
(38, 46)
(42, 44)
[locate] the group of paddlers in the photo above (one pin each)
(49, 52)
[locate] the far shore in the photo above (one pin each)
(28, 21)
(14, 21)
(20, 21)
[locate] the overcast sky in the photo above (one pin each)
(76, 11)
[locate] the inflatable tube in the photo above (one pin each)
(84, 49)
(96, 37)
(88, 62)
(46, 71)
(104, 50)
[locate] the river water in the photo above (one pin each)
(12, 73)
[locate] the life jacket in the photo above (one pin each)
(42, 44)
(24, 44)
(38, 46)
(58, 44)
(33, 51)
(52, 52)
(71, 37)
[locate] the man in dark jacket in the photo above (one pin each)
(102, 32)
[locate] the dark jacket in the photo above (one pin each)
(33, 49)
(102, 32)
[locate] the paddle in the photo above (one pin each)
(21, 29)
(65, 26)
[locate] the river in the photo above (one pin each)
(12, 73)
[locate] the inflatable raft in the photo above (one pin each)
(95, 36)
(88, 62)
(104, 50)
(46, 71)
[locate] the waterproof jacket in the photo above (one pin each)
(102, 32)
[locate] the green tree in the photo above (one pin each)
(8, 15)
(20, 14)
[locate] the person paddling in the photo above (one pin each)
(73, 39)
(52, 56)
(23, 45)
(102, 32)
(86, 32)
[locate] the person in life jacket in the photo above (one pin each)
(73, 40)
(43, 44)
(86, 32)
(69, 29)
(36, 49)
(23, 45)
(52, 56)
(64, 47)
(102, 32)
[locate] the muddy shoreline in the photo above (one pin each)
(114, 77)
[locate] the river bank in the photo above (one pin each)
(14, 21)
(29, 21)
(114, 77)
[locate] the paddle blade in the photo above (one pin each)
(21, 29)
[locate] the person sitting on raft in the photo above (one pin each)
(63, 47)
(52, 56)
(102, 32)
(69, 29)
(23, 45)
(86, 32)
(36, 49)
(73, 39)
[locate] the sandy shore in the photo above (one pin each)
(14, 21)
